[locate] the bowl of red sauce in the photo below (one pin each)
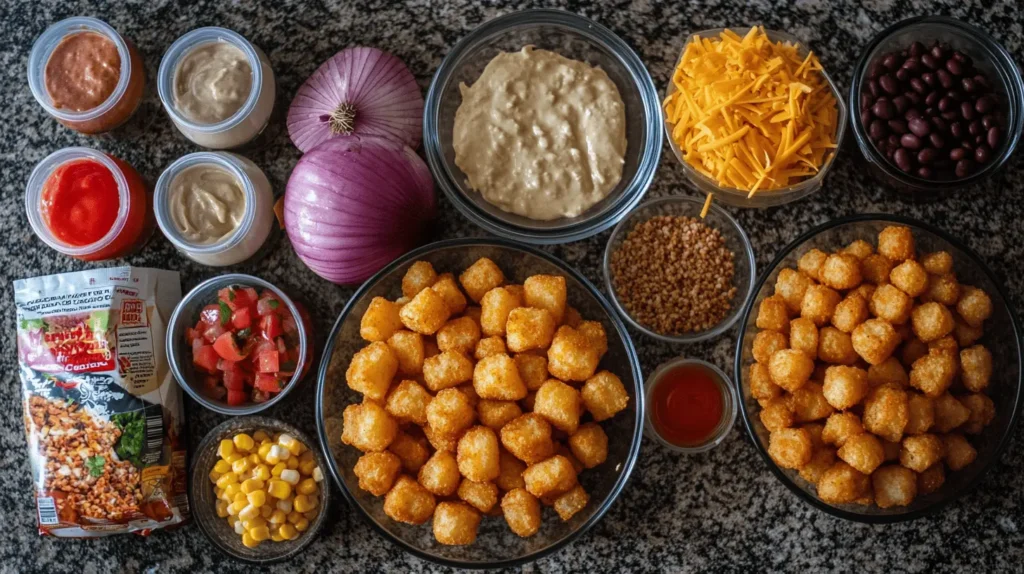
(89, 205)
(691, 405)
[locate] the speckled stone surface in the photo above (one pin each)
(721, 510)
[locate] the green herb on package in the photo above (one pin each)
(95, 465)
(133, 435)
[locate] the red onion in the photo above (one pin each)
(361, 91)
(354, 204)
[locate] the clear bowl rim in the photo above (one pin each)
(1015, 93)
(650, 155)
(725, 324)
(636, 440)
(724, 427)
(738, 375)
(258, 420)
(795, 192)
(172, 343)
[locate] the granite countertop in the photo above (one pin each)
(721, 510)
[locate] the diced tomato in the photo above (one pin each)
(205, 357)
(198, 342)
(268, 304)
(216, 392)
(236, 398)
(241, 318)
(191, 335)
(210, 314)
(237, 297)
(270, 327)
(250, 295)
(226, 365)
(227, 347)
(213, 331)
(282, 347)
(288, 325)
(235, 380)
(268, 362)
(268, 383)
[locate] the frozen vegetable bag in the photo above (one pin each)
(103, 414)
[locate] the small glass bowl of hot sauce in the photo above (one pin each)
(691, 405)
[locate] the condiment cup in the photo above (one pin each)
(121, 103)
(728, 405)
(203, 502)
(249, 120)
(744, 265)
(571, 36)
(256, 224)
(988, 56)
(763, 198)
(179, 352)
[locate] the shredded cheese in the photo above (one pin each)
(750, 113)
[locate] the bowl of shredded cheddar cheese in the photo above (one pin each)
(753, 117)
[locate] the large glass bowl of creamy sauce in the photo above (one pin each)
(578, 142)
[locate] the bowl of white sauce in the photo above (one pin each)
(218, 88)
(543, 126)
(217, 208)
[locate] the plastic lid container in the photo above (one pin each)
(40, 55)
(252, 231)
(246, 123)
(725, 423)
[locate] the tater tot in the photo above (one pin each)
(377, 472)
(891, 304)
(776, 414)
(495, 307)
(791, 286)
(552, 476)
(841, 271)
(790, 369)
(910, 277)
(546, 292)
(497, 378)
(481, 277)
(841, 426)
(943, 289)
(450, 412)
(412, 451)
(589, 445)
(835, 347)
(447, 369)
(448, 289)
(482, 496)
(897, 243)
(477, 454)
(418, 277)
(875, 269)
(933, 373)
(409, 502)
(440, 440)
(371, 370)
(965, 334)
(460, 334)
(819, 304)
(845, 386)
(950, 413)
(528, 438)
(440, 474)
(533, 369)
(410, 350)
(931, 479)
(426, 313)
(510, 471)
(894, 485)
(489, 346)
(920, 414)
(380, 320)
(790, 448)
(937, 263)
(572, 317)
(913, 349)
(815, 430)
(522, 512)
(809, 404)
(822, 459)
(946, 344)
(408, 402)
(773, 314)
(842, 484)
(568, 504)
(368, 427)
(604, 395)
(495, 414)
(918, 452)
(931, 321)
(863, 452)
(810, 263)
(976, 368)
(803, 336)
(888, 372)
(959, 452)
(560, 404)
(455, 523)
(850, 312)
(761, 386)
(860, 249)
(874, 340)
(886, 412)
(595, 333)
(983, 410)
(766, 343)
(571, 356)
(974, 306)
(865, 290)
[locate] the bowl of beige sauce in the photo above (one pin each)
(543, 126)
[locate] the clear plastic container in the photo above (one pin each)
(249, 120)
(133, 225)
(257, 222)
(121, 103)
(729, 409)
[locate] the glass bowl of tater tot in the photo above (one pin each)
(879, 368)
(480, 403)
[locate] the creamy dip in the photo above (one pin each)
(207, 203)
(212, 82)
(541, 135)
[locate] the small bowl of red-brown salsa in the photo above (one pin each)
(691, 406)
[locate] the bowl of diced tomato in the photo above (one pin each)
(237, 344)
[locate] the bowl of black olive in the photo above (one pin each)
(940, 106)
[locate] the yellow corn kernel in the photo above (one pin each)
(231, 458)
(291, 443)
(236, 508)
(307, 486)
(226, 448)
(260, 534)
(287, 531)
(303, 503)
(279, 488)
(261, 471)
(241, 465)
(240, 497)
(285, 505)
(278, 517)
(294, 517)
(266, 510)
(243, 442)
(249, 512)
(290, 476)
(293, 463)
(222, 466)
(222, 509)
(257, 498)
(239, 529)
(278, 469)
(311, 515)
(251, 485)
(232, 520)
(276, 537)
(302, 524)
(254, 523)
(227, 478)
(260, 436)
(232, 489)
(255, 459)
(214, 475)
(249, 542)
(264, 450)
(306, 466)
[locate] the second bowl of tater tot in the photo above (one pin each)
(878, 368)
(480, 403)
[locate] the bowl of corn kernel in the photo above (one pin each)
(257, 489)
(753, 117)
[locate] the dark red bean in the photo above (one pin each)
(930, 111)
(967, 111)
(883, 109)
(940, 123)
(926, 156)
(968, 85)
(955, 95)
(890, 62)
(901, 103)
(954, 67)
(945, 79)
(978, 140)
(925, 172)
(931, 61)
(957, 154)
(938, 142)
(893, 141)
(975, 128)
(914, 97)
(912, 65)
(910, 141)
(877, 129)
(902, 159)
(918, 85)
(916, 49)
(993, 136)
(875, 70)
(919, 126)
(903, 74)
(898, 126)
(963, 59)
(865, 117)
(945, 104)
(873, 87)
(929, 78)
(985, 104)
(964, 167)
(950, 115)
(890, 85)
(937, 52)
(988, 121)
(982, 154)
(982, 82)
(933, 99)
(956, 129)
(865, 101)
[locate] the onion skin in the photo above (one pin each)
(353, 204)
